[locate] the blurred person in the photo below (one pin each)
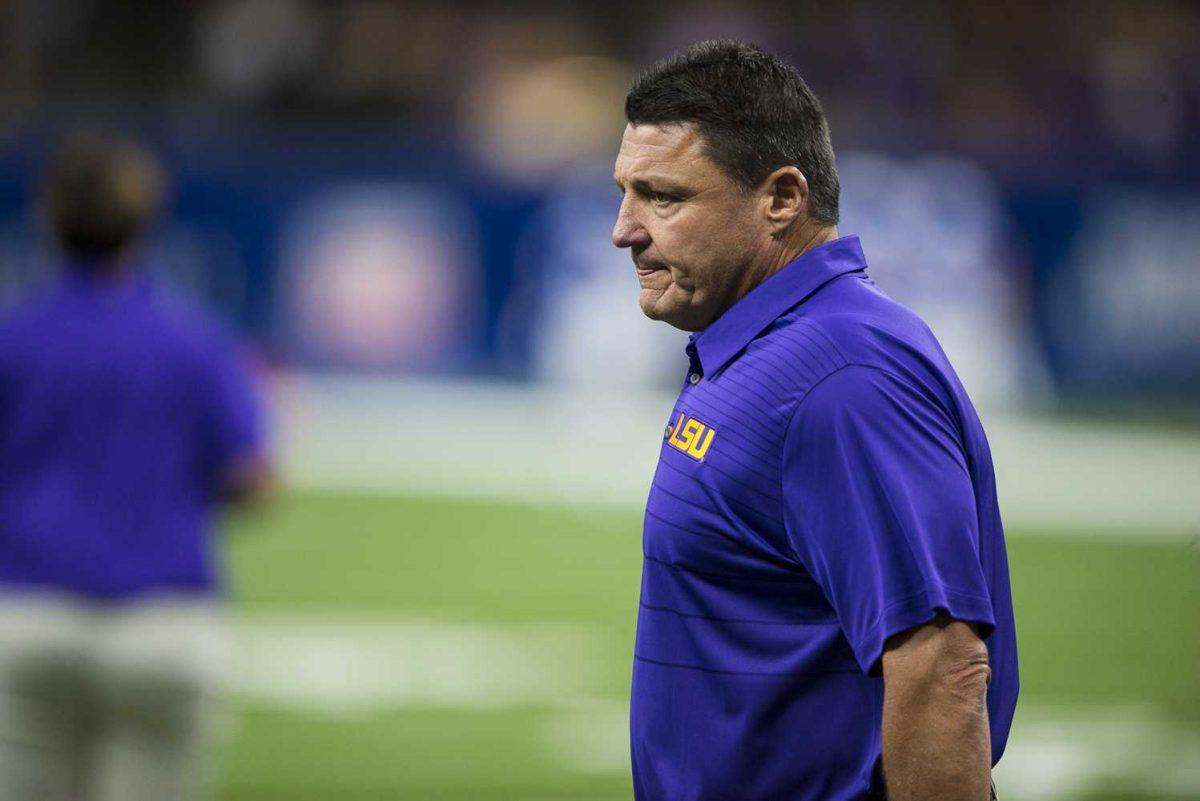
(125, 419)
(825, 605)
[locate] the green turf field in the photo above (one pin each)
(1108, 628)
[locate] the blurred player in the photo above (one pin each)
(125, 418)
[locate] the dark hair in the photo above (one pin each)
(101, 193)
(755, 113)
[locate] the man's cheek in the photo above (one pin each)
(682, 277)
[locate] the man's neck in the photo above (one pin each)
(102, 272)
(781, 253)
(803, 240)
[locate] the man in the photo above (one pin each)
(825, 606)
(124, 419)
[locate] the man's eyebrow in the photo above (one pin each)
(654, 184)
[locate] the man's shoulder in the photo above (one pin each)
(32, 313)
(163, 323)
(853, 325)
(192, 335)
(185, 316)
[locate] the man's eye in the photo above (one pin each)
(660, 198)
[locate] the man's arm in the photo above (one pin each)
(936, 741)
(247, 481)
(238, 465)
(882, 512)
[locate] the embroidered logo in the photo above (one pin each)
(689, 435)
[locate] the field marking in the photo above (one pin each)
(1062, 753)
(599, 449)
(344, 666)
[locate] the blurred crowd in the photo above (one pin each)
(336, 161)
(1076, 91)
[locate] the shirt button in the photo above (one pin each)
(694, 378)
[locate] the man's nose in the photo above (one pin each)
(628, 232)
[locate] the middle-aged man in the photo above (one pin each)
(825, 606)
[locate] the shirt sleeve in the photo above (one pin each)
(233, 424)
(881, 510)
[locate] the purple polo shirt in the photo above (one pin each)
(823, 484)
(119, 409)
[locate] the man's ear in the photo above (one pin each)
(786, 192)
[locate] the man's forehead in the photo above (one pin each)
(646, 147)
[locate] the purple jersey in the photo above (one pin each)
(823, 484)
(119, 410)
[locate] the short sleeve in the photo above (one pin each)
(232, 424)
(880, 508)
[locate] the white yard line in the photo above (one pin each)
(345, 666)
(1057, 754)
(480, 440)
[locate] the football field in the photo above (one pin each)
(398, 646)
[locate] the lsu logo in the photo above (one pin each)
(689, 435)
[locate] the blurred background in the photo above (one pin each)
(404, 209)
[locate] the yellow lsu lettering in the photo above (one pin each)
(690, 436)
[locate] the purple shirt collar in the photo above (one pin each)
(715, 346)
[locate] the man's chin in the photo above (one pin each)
(660, 309)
